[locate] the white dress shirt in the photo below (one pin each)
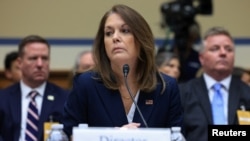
(25, 99)
(224, 91)
(131, 112)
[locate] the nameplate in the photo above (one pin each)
(117, 134)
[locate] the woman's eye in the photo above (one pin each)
(125, 30)
(108, 33)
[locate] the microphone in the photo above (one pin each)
(125, 72)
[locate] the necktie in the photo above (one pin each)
(218, 105)
(31, 132)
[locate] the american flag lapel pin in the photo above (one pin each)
(149, 102)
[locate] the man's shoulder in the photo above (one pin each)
(87, 77)
(192, 82)
(55, 87)
(239, 84)
(9, 89)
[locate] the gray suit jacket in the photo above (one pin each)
(197, 108)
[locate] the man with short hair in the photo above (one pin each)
(84, 61)
(22, 113)
(215, 85)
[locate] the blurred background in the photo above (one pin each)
(70, 26)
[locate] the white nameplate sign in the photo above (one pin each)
(116, 134)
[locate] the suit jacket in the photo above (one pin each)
(92, 103)
(197, 107)
(10, 110)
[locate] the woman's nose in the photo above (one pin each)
(116, 37)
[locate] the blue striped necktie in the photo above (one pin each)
(31, 132)
(218, 105)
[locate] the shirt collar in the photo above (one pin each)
(25, 89)
(210, 81)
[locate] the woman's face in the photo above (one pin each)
(246, 78)
(171, 68)
(119, 40)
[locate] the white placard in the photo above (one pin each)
(117, 134)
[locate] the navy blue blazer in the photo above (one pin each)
(10, 110)
(197, 107)
(92, 103)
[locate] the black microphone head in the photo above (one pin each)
(125, 70)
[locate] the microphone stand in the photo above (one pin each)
(126, 71)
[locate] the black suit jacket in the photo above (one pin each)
(92, 103)
(10, 110)
(197, 107)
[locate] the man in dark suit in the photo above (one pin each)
(34, 58)
(217, 58)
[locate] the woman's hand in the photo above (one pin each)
(131, 126)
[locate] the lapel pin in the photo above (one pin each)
(149, 102)
(50, 97)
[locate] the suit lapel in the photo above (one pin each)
(111, 99)
(15, 104)
(233, 101)
(47, 107)
(202, 96)
(145, 103)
